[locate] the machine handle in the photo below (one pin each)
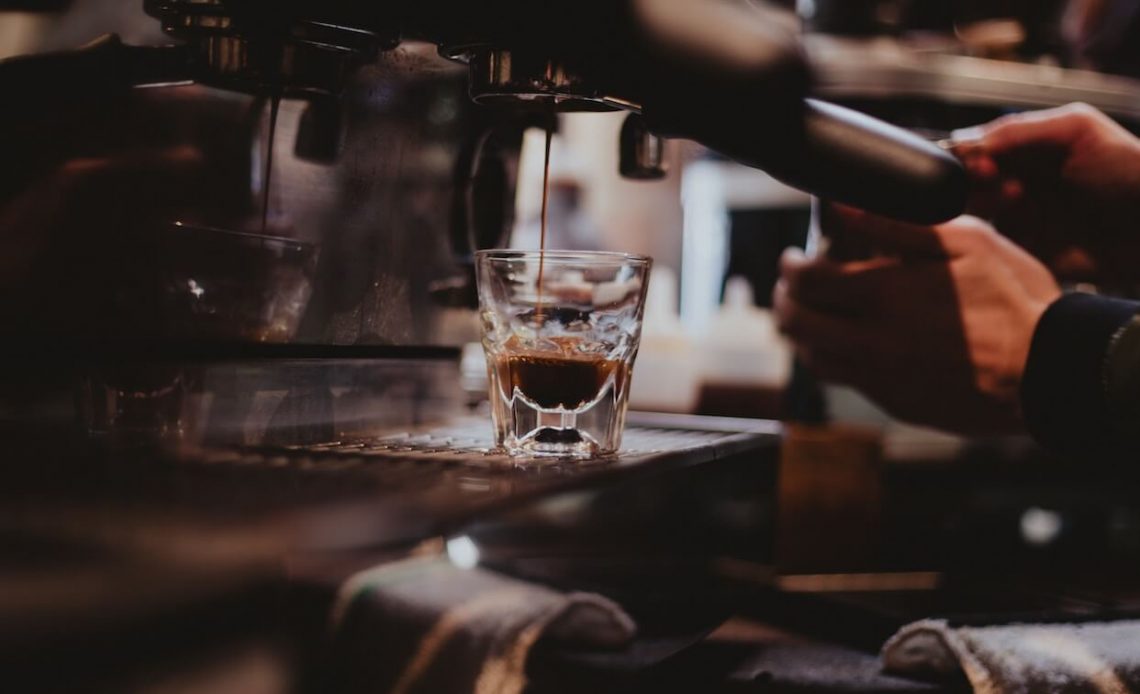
(850, 157)
(836, 154)
(732, 76)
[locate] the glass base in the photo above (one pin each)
(552, 442)
(524, 429)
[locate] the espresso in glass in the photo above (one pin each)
(560, 359)
(559, 380)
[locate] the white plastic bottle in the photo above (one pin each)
(665, 375)
(743, 357)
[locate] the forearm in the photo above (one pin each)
(1081, 389)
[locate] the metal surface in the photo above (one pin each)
(414, 483)
(430, 178)
(282, 54)
(732, 78)
(889, 69)
(512, 77)
(467, 443)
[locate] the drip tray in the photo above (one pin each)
(418, 483)
(206, 537)
(468, 442)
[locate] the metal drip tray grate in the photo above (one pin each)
(469, 442)
(453, 470)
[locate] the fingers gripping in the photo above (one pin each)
(1055, 127)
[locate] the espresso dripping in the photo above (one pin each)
(542, 233)
(274, 106)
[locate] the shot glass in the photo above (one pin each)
(560, 331)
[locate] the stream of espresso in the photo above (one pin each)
(274, 105)
(545, 203)
(563, 378)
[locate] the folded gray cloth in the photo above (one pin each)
(425, 625)
(1099, 657)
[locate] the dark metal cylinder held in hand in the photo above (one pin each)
(731, 76)
(852, 158)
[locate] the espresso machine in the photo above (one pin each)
(221, 406)
(379, 142)
(377, 94)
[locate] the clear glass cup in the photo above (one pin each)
(560, 352)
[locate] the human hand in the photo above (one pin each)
(1063, 183)
(936, 328)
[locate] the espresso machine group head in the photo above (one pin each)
(726, 73)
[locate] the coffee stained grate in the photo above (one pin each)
(471, 441)
(466, 443)
(459, 456)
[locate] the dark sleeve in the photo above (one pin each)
(1081, 389)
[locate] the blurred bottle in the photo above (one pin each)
(666, 373)
(744, 362)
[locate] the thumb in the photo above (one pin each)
(1051, 128)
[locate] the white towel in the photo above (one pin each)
(1102, 657)
(424, 625)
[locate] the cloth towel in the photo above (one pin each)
(425, 625)
(1101, 657)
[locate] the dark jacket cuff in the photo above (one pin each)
(1063, 395)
